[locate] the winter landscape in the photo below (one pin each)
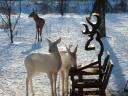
(68, 27)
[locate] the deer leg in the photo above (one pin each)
(51, 82)
(31, 87)
(37, 32)
(62, 79)
(54, 83)
(41, 34)
(27, 82)
(38, 35)
(66, 82)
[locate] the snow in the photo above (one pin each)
(12, 70)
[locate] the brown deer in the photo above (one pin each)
(39, 24)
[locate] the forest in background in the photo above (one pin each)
(69, 6)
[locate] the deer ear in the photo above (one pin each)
(75, 50)
(68, 50)
(48, 41)
(58, 41)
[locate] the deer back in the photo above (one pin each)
(39, 21)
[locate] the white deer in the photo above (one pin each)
(69, 59)
(47, 63)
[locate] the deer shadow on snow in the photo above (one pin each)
(34, 46)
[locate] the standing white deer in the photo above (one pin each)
(47, 63)
(69, 59)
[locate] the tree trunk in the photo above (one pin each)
(10, 25)
(11, 36)
(61, 7)
(103, 28)
(99, 7)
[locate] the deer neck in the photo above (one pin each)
(36, 18)
(58, 56)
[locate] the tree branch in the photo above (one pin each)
(17, 18)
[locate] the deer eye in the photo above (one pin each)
(49, 50)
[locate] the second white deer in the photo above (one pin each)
(47, 63)
(69, 59)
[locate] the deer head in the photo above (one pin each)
(53, 45)
(33, 14)
(72, 56)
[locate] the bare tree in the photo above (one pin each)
(7, 17)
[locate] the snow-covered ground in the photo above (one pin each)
(12, 70)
